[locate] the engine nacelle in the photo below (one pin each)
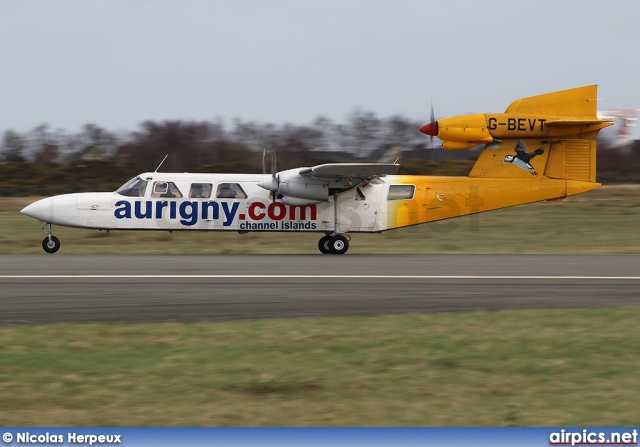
(292, 184)
(292, 201)
(466, 135)
(453, 146)
(304, 190)
(471, 130)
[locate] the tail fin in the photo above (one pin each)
(573, 159)
(566, 149)
(574, 102)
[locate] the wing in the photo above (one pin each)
(302, 186)
(365, 171)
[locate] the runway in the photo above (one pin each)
(111, 288)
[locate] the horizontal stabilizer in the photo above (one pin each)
(571, 122)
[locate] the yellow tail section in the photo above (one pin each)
(561, 142)
(573, 159)
(575, 102)
(543, 148)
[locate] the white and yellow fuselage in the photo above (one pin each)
(394, 201)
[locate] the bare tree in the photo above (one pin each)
(13, 147)
(360, 135)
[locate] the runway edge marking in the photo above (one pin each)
(487, 277)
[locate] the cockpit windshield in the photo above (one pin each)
(133, 188)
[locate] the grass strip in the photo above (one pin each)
(536, 367)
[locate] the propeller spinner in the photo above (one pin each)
(431, 128)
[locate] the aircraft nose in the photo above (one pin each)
(41, 210)
(430, 129)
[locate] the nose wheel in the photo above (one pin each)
(336, 244)
(50, 244)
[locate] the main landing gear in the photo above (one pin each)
(50, 244)
(336, 244)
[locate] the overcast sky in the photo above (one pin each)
(117, 63)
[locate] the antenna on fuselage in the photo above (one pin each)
(165, 157)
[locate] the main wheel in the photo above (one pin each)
(51, 245)
(323, 245)
(338, 244)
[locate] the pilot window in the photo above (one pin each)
(133, 188)
(360, 195)
(200, 190)
(165, 189)
(401, 192)
(230, 191)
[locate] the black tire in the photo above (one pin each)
(339, 244)
(51, 245)
(323, 245)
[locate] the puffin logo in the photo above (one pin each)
(522, 159)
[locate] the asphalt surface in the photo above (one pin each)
(112, 288)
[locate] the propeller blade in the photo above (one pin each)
(264, 166)
(273, 165)
(433, 115)
(276, 178)
(431, 128)
(273, 184)
(433, 120)
(275, 193)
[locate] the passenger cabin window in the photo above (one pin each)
(200, 190)
(230, 191)
(165, 189)
(133, 188)
(401, 192)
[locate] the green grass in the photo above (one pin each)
(560, 367)
(602, 221)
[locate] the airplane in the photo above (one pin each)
(542, 148)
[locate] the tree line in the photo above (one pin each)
(194, 143)
(46, 161)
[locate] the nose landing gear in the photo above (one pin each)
(50, 244)
(336, 244)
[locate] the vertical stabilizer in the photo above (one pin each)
(551, 135)
(580, 102)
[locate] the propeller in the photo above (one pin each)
(272, 184)
(275, 179)
(433, 120)
(264, 167)
(431, 128)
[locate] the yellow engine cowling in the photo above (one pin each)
(455, 146)
(464, 132)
